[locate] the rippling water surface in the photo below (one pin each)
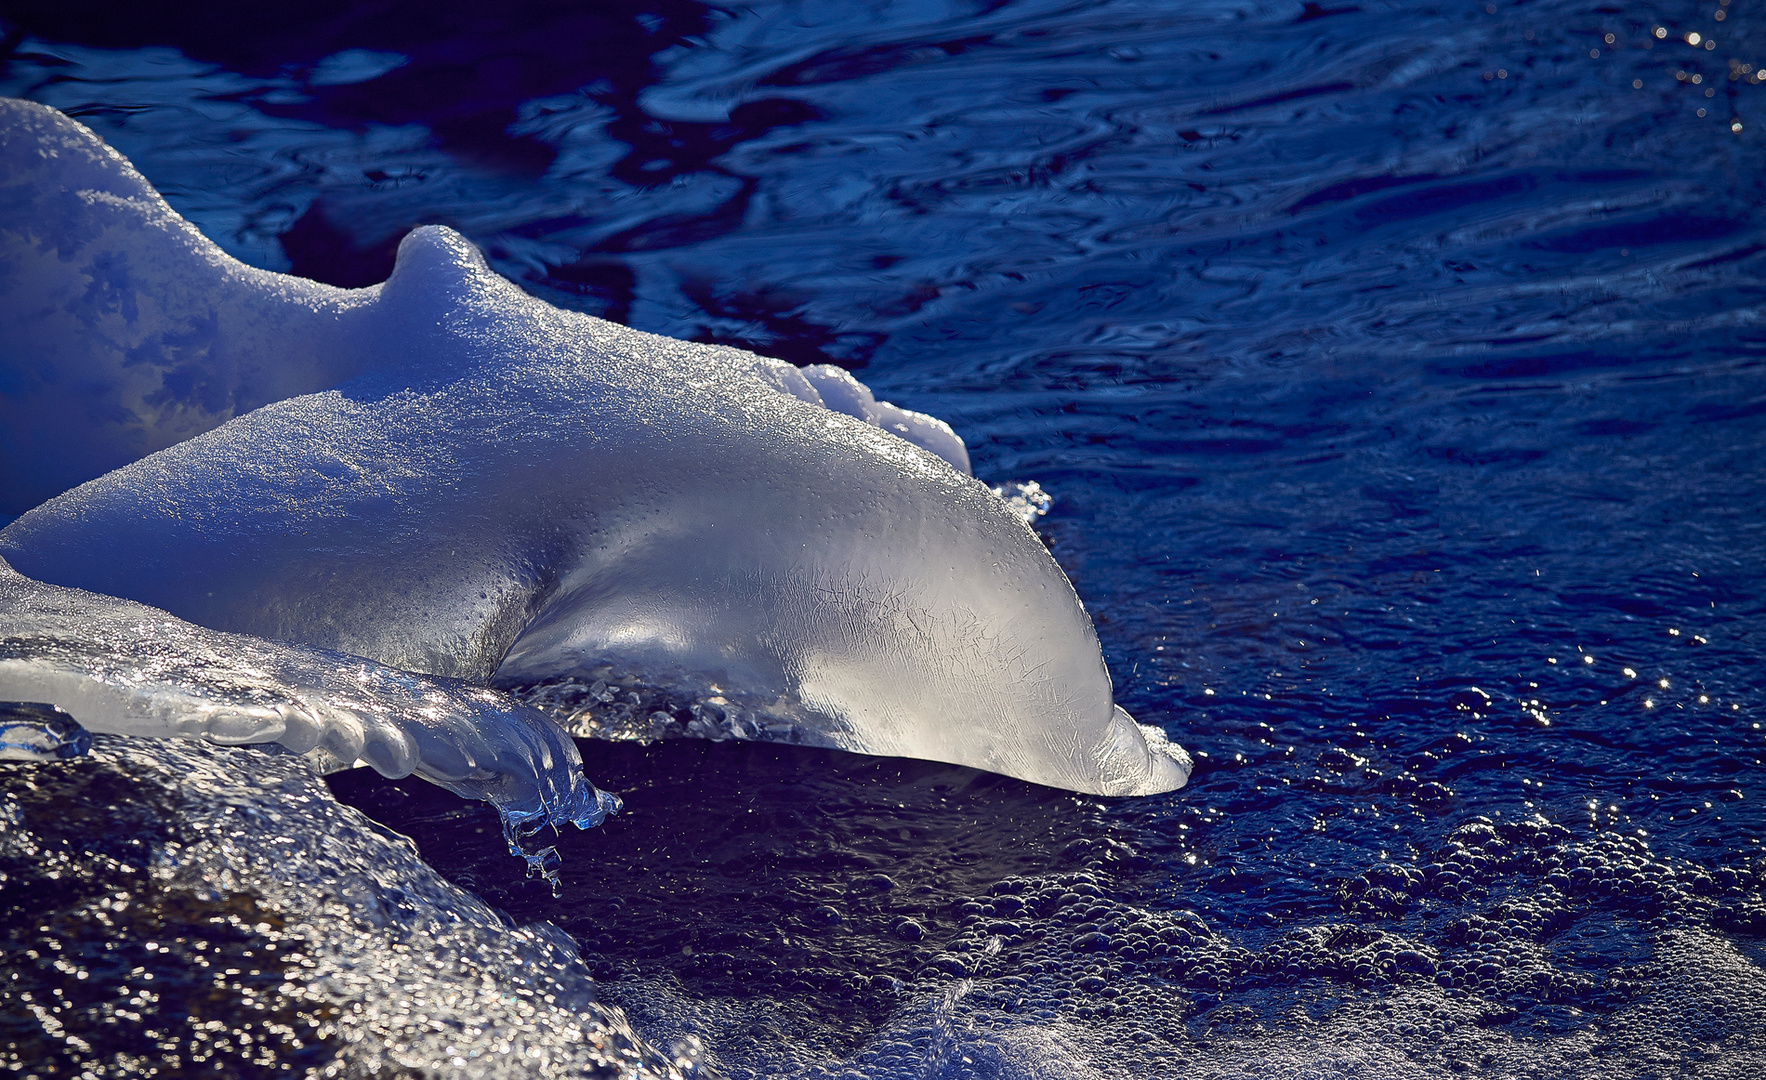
(1396, 370)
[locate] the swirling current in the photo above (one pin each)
(1395, 373)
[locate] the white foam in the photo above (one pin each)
(353, 956)
(1585, 956)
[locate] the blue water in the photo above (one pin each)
(1396, 370)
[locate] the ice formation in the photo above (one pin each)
(120, 667)
(510, 493)
(36, 731)
(107, 356)
(123, 323)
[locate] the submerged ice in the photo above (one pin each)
(502, 492)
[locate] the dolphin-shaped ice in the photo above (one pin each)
(514, 493)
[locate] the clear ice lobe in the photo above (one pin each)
(119, 667)
(512, 493)
(33, 731)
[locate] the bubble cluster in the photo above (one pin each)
(800, 913)
(169, 908)
(1511, 938)
(622, 709)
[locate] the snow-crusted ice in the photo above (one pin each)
(124, 330)
(507, 492)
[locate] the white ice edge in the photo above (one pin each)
(123, 668)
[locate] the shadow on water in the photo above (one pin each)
(794, 874)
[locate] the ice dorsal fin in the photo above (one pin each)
(438, 270)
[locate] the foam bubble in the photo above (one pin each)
(1520, 949)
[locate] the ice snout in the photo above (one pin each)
(504, 492)
(1139, 759)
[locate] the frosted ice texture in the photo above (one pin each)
(120, 667)
(516, 493)
(124, 330)
(106, 354)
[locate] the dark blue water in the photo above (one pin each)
(1396, 370)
